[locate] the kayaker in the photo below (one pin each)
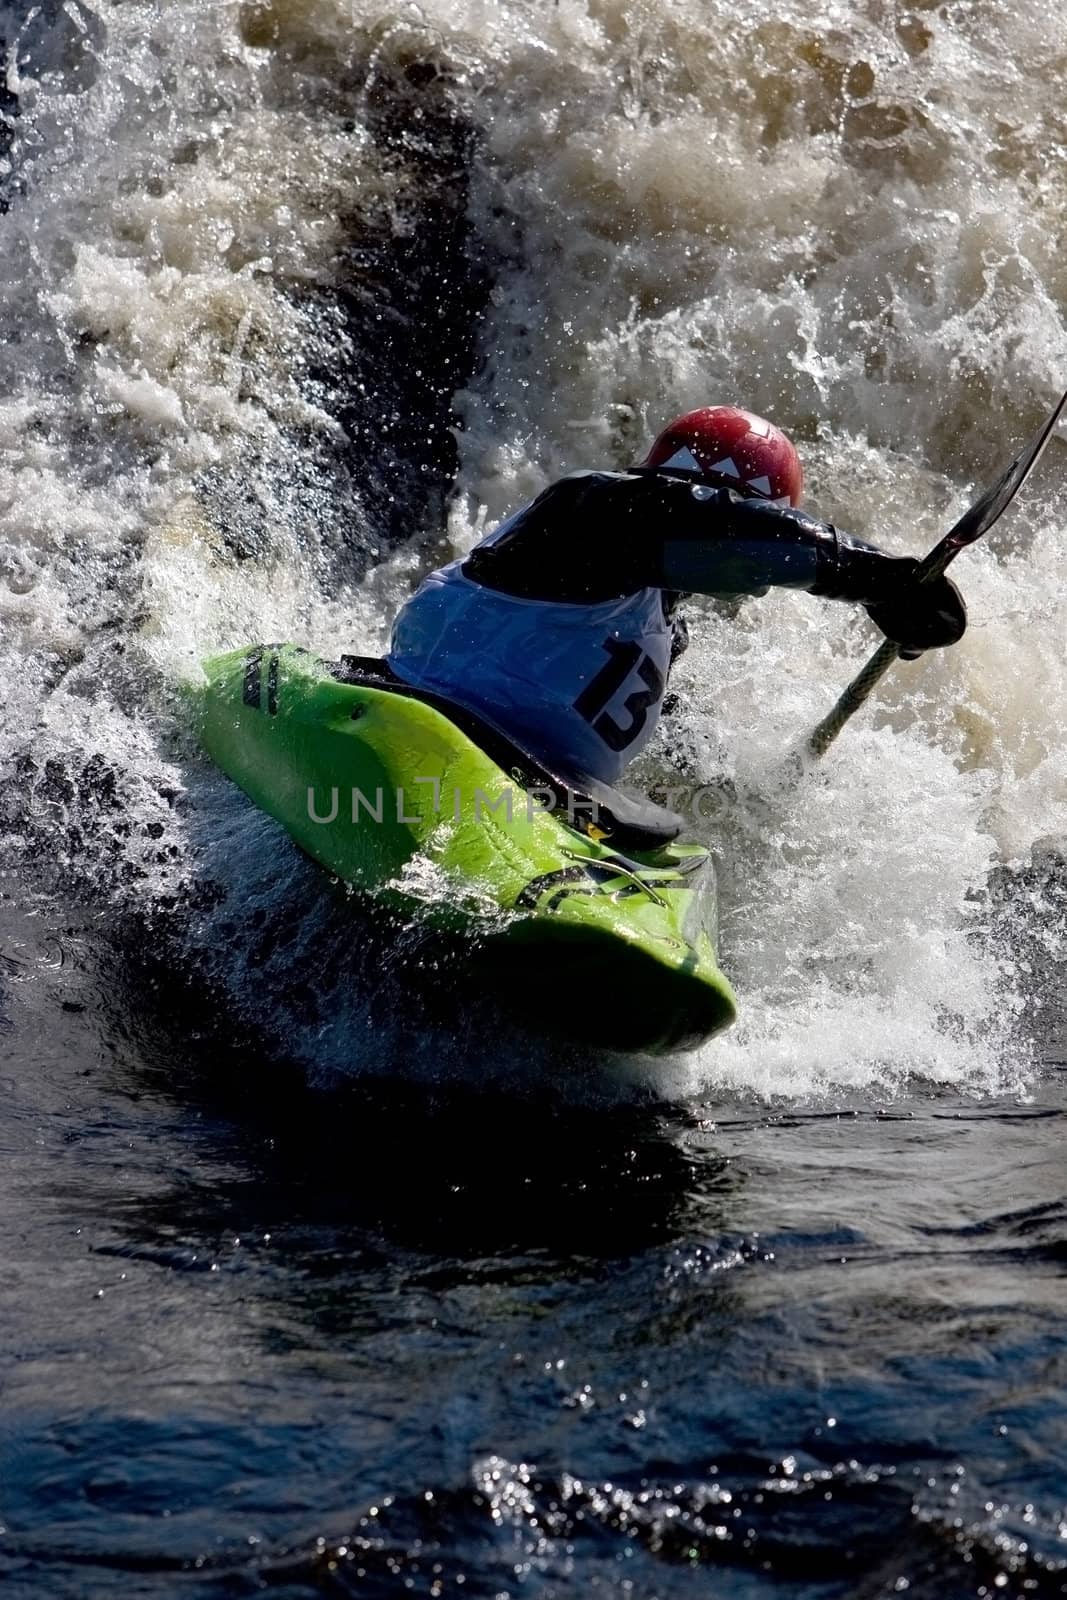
(562, 625)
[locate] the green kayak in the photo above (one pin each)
(575, 902)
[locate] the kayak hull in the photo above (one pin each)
(586, 937)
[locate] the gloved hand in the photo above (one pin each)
(921, 616)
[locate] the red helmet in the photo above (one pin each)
(739, 450)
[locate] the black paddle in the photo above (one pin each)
(971, 526)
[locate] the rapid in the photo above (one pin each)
(317, 1281)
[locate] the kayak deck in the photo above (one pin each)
(577, 906)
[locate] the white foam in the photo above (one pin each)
(820, 214)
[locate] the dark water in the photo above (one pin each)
(442, 1342)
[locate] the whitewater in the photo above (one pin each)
(821, 214)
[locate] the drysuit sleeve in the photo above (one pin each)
(748, 546)
(759, 546)
(596, 535)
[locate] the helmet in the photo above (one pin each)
(735, 448)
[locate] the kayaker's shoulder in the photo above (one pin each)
(643, 483)
(576, 493)
(596, 474)
(589, 479)
(596, 485)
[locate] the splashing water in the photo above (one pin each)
(233, 230)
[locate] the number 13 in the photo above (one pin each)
(625, 658)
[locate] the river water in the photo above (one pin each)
(319, 1279)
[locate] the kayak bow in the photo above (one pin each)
(576, 904)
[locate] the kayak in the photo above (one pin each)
(575, 902)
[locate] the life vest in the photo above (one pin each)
(579, 685)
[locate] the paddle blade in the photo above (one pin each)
(971, 526)
(980, 517)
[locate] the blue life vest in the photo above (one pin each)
(580, 686)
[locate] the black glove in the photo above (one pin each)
(922, 616)
(917, 616)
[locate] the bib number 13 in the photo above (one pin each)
(625, 659)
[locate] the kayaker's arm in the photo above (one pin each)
(759, 547)
(595, 535)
